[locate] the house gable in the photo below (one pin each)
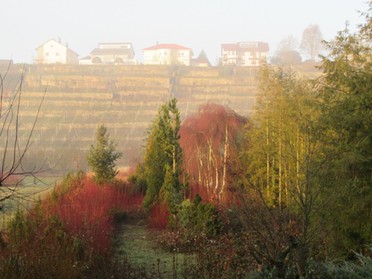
(54, 52)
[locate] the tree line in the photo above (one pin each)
(298, 172)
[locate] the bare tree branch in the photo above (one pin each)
(15, 145)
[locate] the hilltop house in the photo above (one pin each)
(167, 54)
(244, 53)
(111, 53)
(54, 52)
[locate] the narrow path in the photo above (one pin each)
(134, 243)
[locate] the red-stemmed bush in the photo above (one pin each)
(69, 233)
(86, 210)
(158, 218)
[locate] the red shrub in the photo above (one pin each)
(86, 211)
(158, 218)
(127, 200)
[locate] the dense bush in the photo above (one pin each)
(201, 218)
(69, 234)
(360, 267)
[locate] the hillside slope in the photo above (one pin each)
(124, 98)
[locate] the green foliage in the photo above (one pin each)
(200, 218)
(138, 179)
(309, 149)
(102, 156)
(346, 98)
(162, 164)
(361, 268)
(280, 144)
(171, 190)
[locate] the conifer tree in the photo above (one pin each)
(346, 121)
(162, 164)
(102, 156)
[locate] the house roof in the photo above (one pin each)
(167, 46)
(229, 47)
(48, 42)
(255, 46)
(111, 51)
(123, 43)
(246, 46)
(56, 43)
(202, 58)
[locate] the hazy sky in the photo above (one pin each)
(197, 24)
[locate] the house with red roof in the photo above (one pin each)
(167, 54)
(244, 53)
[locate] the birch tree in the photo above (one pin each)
(210, 143)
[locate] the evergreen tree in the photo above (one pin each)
(346, 122)
(162, 164)
(102, 156)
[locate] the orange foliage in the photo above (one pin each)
(209, 144)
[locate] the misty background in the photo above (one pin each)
(199, 25)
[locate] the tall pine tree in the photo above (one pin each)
(162, 164)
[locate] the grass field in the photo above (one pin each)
(135, 244)
(25, 196)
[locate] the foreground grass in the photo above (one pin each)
(25, 197)
(136, 244)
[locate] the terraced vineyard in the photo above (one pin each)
(124, 98)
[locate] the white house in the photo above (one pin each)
(167, 54)
(111, 53)
(244, 53)
(54, 52)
